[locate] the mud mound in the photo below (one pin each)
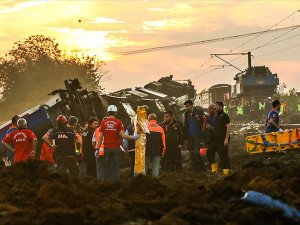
(142, 187)
(30, 194)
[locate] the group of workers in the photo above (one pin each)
(73, 151)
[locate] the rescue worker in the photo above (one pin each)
(221, 139)
(111, 129)
(87, 147)
(210, 139)
(272, 121)
(155, 145)
(282, 108)
(73, 123)
(174, 142)
(24, 142)
(64, 138)
(129, 146)
(99, 155)
(47, 152)
(193, 123)
(9, 154)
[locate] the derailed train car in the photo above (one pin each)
(159, 96)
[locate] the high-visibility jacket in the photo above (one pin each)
(298, 107)
(240, 110)
(225, 109)
(261, 106)
(47, 154)
(96, 139)
(283, 107)
(156, 141)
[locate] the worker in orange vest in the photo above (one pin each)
(99, 154)
(47, 152)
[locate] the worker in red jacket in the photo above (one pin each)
(23, 140)
(112, 130)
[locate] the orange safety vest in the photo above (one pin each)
(47, 154)
(101, 149)
(283, 106)
(153, 126)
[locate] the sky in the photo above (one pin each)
(108, 28)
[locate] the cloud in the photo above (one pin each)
(105, 20)
(177, 8)
(14, 8)
(167, 24)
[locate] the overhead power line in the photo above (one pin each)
(258, 35)
(272, 41)
(139, 51)
(274, 25)
(281, 50)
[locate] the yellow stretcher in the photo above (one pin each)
(273, 142)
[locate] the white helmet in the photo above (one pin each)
(112, 108)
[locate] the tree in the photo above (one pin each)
(33, 48)
(36, 66)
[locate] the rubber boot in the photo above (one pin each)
(226, 171)
(214, 167)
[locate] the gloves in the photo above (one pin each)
(97, 153)
(136, 136)
(280, 130)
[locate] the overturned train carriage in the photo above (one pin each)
(159, 96)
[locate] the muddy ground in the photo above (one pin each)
(30, 194)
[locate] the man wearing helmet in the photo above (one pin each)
(23, 140)
(112, 130)
(64, 138)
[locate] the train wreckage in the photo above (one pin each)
(164, 94)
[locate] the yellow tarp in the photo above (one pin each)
(273, 142)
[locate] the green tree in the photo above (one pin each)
(35, 67)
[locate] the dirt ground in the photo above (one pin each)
(30, 194)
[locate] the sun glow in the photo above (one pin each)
(92, 43)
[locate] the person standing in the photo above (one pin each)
(193, 125)
(47, 152)
(88, 150)
(221, 139)
(272, 121)
(73, 123)
(210, 138)
(12, 128)
(65, 139)
(155, 145)
(111, 130)
(174, 142)
(129, 146)
(99, 154)
(24, 142)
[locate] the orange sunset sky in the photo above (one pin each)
(110, 27)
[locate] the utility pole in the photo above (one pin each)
(243, 53)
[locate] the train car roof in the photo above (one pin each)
(137, 93)
(219, 86)
(155, 93)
